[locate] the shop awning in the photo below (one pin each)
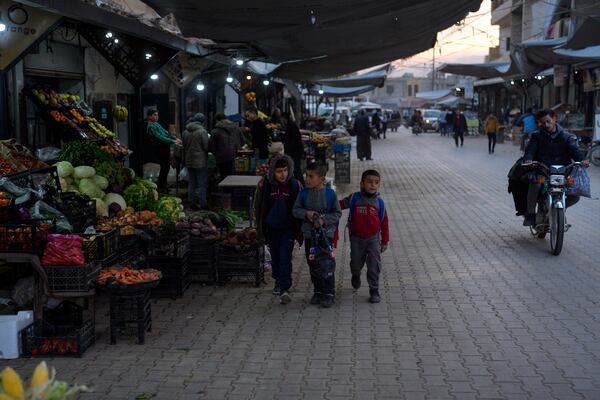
(433, 94)
(591, 53)
(332, 91)
(481, 70)
(374, 78)
(346, 36)
(452, 101)
(412, 102)
(586, 35)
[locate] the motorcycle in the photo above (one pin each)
(550, 214)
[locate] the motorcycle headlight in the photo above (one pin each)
(427, 121)
(557, 180)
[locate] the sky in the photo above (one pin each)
(467, 43)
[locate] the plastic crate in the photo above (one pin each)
(201, 261)
(342, 148)
(175, 280)
(130, 248)
(80, 210)
(46, 340)
(72, 279)
(66, 313)
(176, 245)
(100, 246)
(25, 237)
(242, 262)
(130, 314)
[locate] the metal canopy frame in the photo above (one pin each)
(128, 55)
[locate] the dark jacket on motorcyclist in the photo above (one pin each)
(558, 148)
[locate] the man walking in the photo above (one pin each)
(363, 136)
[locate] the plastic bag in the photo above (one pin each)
(48, 154)
(62, 224)
(581, 187)
(184, 174)
(63, 250)
(23, 292)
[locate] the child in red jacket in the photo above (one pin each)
(369, 231)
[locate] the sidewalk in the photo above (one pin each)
(473, 307)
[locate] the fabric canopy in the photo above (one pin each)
(482, 70)
(346, 36)
(375, 78)
(433, 94)
(332, 91)
(586, 35)
(591, 53)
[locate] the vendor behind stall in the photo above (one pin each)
(225, 140)
(161, 141)
(258, 130)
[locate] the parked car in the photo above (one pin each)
(431, 120)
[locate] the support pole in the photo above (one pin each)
(137, 133)
(4, 125)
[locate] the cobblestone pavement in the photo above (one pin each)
(473, 307)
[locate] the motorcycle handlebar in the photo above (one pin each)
(546, 170)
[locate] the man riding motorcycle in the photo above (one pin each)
(551, 145)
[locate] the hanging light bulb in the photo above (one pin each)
(312, 18)
(266, 82)
(239, 61)
(154, 77)
(148, 56)
(512, 82)
(2, 27)
(229, 78)
(248, 77)
(116, 40)
(200, 86)
(108, 35)
(321, 91)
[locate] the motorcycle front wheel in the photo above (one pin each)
(557, 230)
(595, 156)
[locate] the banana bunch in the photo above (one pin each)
(101, 130)
(120, 113)
(316, 138)
(43, 386)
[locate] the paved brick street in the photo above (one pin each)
(473, 307)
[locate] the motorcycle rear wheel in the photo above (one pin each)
(557, 230)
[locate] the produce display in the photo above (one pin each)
(128, 217)
(60, 346)
(127, 276)
(120, 113)
(83, 180)
(5, 200)
(262, 170)
(202, 227)
(43, 385)
(15, 157)
(141, 195)
(170, 208)
(319, 141)
(246, 237)
(74, 114)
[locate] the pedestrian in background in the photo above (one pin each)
(258, 131)
(363, 136)
(293, 146)
(442, 123)
(460, 126)
(195, 158)
(529, 125)
(450, 115)
(376, 124)
(225, 140)
(491, 126)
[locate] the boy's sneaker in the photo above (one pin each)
(316, 299)
(327, 301)
(285, 298)
(276, 291)
(374, 296)
(356, 281)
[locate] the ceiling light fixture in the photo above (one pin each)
(116, 40)
(248, 77)
(200, 86)
(266, 82)
(2, 27)
(154, 77)
(229, 78)
(148, 56)
(239, 61)
(108, 35)
(313, 17)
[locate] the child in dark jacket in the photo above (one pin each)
(276, 224)
(318, 207)
(369, 231)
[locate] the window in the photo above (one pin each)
(389, 89)
(416, 89)
(507, 44)
(409, 90)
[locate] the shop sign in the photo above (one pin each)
(21, 27)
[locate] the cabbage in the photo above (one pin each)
(131, 172)
(72, 188)
(89, 188)
(100, 181)
(101, 208)
(84, 172)
(64, 185)
(64, 169)
(115, 198)
(69, 180)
